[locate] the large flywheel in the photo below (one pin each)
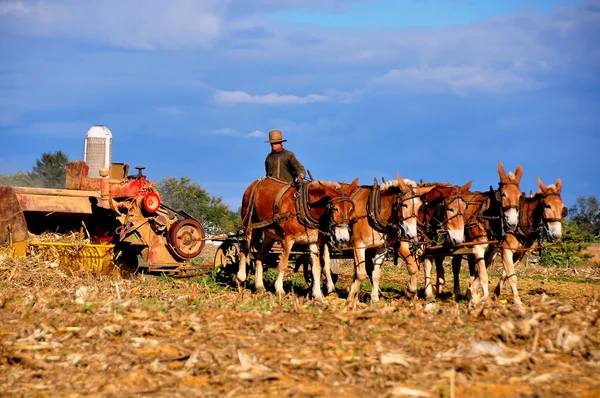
(186, 238)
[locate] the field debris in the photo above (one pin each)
(68, 332)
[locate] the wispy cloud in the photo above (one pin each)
(461, 80)
(231, 132)
(147, 25)
(241, 97)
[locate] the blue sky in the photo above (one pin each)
(438, 90)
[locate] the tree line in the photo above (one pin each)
(178, 193)
(582, 224)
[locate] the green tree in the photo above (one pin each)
(573, 242)
(50, 170)
(16, 180)
(184, 194)
(586, 214)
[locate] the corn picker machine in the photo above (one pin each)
(120, 215)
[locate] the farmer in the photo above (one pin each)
(281, 163)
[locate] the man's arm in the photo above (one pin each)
(297, 167)
(267, 166)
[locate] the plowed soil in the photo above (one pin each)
(73, 333)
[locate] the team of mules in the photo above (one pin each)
(416, 222)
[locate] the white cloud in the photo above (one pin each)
(15, 8)
(257, 133)
(231, 132)
(141, 25)
(461, 80)
(241, 97)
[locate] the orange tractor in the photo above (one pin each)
(116, 210)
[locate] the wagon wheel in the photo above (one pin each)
(226, 257)
(186, 237)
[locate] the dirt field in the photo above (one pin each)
(594, 250)
(73, 334)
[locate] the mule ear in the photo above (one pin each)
(401, 183)
(558, 185)
(424, 190)
(501, 172)
(541, 184)
(353, 185)
(518, 173)
(465, 187)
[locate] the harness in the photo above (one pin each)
(374, 211)
(539, 229)
(499, 199)
(302, 205)
(277, 217)
(303, 208)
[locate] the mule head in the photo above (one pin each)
(454, 214)
(339, 211)
(553, 209)
(510, 195)
(407, 206)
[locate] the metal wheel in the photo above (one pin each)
(187, 238)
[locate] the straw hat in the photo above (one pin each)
(275, 137)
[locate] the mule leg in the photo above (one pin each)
(510, 274)
(428, 288)
(440, 274)
(327, 269)
(359, 261)
(411, 265)
(482, 277)
(380, 253)
(245, 244)
(503, 275)
(473, 290)
(260, 259)
(360, 264)
(482, 267)
(456, 264)
(283, 264)
(316, 272)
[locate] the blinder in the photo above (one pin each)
(345, 214)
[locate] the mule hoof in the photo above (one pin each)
(261, 290)
(280, 293)
(238, 280)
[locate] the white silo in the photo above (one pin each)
(98, 149)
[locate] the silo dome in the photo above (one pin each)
(98, 149)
